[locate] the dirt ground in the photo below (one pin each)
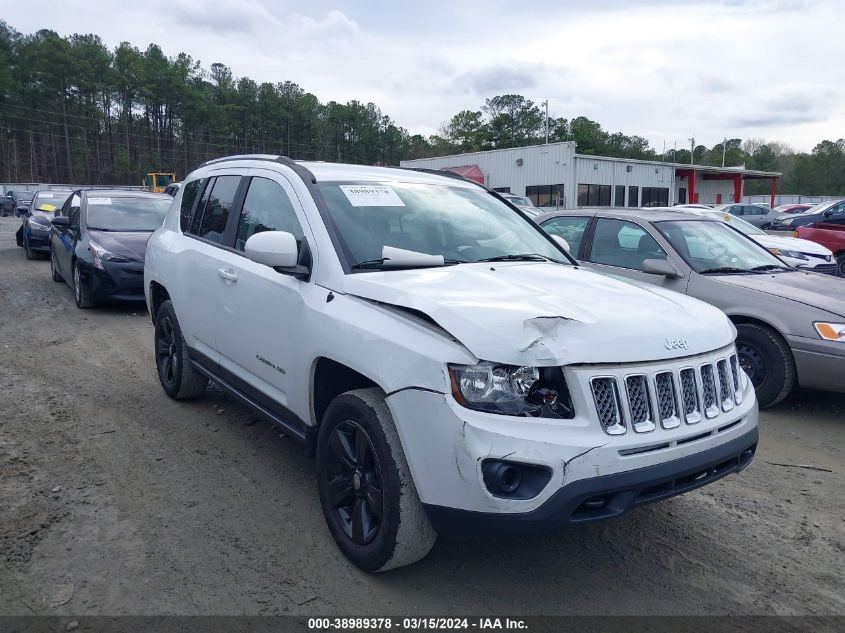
(116, 500)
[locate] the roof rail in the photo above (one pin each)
(223, 159)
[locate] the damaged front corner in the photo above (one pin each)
(567, 462)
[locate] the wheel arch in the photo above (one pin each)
(158, 295)
(329, 379)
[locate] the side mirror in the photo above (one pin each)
(828, 213)
(660, 267)
(562, 243)
(61, 220)
(276, 249)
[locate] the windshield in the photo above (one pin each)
(126, 213)
(741, 225)
(517, 200)
(821, 206)
(49, 201)
(711, 246)
(459, 224)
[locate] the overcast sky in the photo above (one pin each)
(664, 69)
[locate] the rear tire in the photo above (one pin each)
(178, 377)
(378, 522)
(81, 292)
(840, 263)
(767, 360)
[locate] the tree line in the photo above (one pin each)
(72, 110)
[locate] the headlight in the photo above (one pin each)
(38, 227)
(511, 390)
(102, 255)
(831, 331)
(792, 254)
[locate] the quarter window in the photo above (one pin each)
(623, 244)
(216, 213)
(570, 228)
(266, 208)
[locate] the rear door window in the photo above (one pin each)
(218, 204)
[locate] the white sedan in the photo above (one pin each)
(796, 252)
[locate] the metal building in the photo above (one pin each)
(553, 175)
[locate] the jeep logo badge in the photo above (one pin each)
(676, 343)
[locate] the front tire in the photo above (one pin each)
(81, 292)
(176, 374)
(840, 263)
(767, 359)
(54, 269)
(30, 254)
(366, 490)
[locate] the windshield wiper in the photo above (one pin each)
(727, 270)
(772, 267)
(382, 264)
(524, 257)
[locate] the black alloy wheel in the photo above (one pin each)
(167, 353)
(354, 482)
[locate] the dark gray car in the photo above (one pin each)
(790, 324)
(759, 215)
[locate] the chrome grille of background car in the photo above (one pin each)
(670, 396)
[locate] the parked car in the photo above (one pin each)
(34, 233)
(450, 366)
(798, 253)
(172, 188)
(831, 212)
(830, 236)
(98, 243)
(522, 203)
(797, 207)
(17, 202)
(788, 321)
(757, 214)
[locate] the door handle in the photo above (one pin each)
(228, 275)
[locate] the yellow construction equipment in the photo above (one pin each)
(157, 181)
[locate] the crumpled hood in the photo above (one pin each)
(791, 244)
(823, 292)
(131, 244)
(549, 314)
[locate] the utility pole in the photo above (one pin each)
(724, 148)
(546, 104)
(691, 150)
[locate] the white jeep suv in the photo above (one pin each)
(451, 367)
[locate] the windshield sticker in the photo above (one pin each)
(371, 196)
(99, 200)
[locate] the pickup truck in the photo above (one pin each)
(830, 236)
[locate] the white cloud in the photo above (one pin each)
(662, 69)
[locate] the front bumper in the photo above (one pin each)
(819, 364)
(446, 445)
(115, 282)
(39, 241)
(606, 496)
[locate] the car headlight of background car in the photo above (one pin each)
(511, 390)
(102, 255)
(831, 331)
(39, 228)
(793, 254)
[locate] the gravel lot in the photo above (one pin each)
(116, 500)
